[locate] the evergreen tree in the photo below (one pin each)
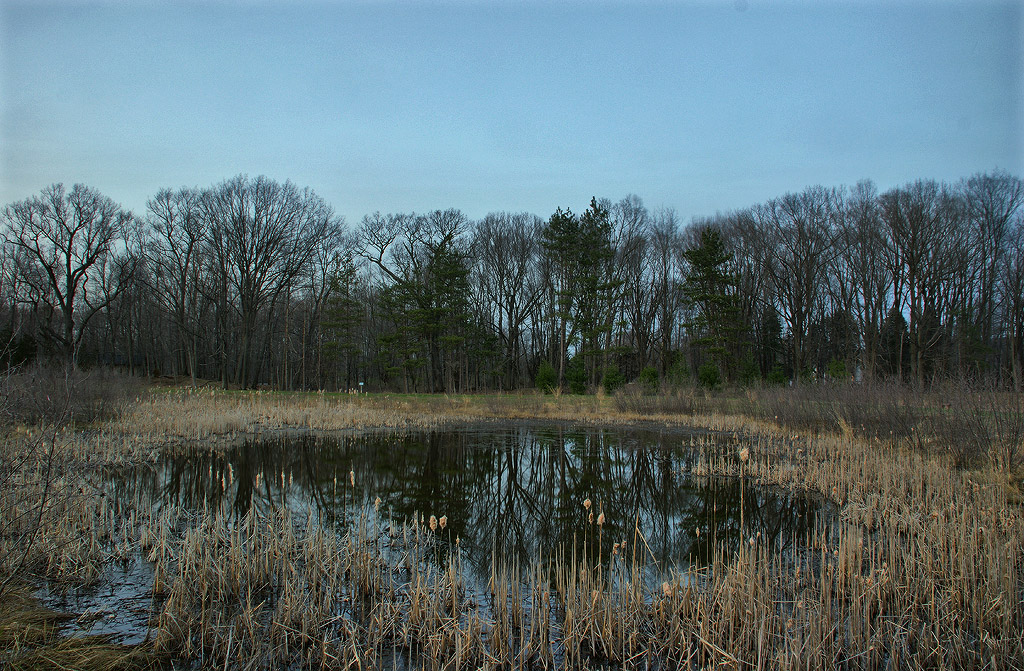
(710, 289)
(596, 289)
(579, 249)
(894, 346)
(768, 343)
(559, 240)
(424, 297)
(447, 322)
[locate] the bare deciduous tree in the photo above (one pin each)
(262, 234)
(177, 234)
(506, 246)
(865, 271)
(992, 203)
(802, 244)
(58, 239)
(921, 221)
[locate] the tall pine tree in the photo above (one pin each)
(579, 249)
(710, 289)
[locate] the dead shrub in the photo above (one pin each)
(53, 394)
(634, 398)
(973, 426)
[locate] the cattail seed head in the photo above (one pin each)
(600, 519)
(376, 503)
(433, 523)
(587, 504)
(352, 478)
(666, 590)
(443, 522)
(590, 518)
(745, 454)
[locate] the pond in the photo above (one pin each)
(518, 493)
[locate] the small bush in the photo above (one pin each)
(973, 426)
(576, 375)
(648, 379)
(709, 376)
(16, 349)
(547, 377)
(678, 373)
(749, 372)
(836, 370)
(612, 379)
(777, 377)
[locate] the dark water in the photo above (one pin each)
(516, 491)
(519, 491)
(119, 606)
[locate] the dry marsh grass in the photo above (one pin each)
(201, 414)
(55, 520)
(922, 569)
(878, 411)
(886, 587)
(29, 640)
(23, 622)
(972, 427)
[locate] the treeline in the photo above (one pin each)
(253, 282)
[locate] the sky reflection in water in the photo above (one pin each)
(519, 491)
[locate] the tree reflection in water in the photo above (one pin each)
(519, 491)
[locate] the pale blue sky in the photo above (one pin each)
(484, 106)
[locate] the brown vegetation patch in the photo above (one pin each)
(922, 571)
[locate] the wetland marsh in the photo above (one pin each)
(508, 544)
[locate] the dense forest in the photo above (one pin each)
(254, 282)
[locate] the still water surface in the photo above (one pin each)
(516, 491)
